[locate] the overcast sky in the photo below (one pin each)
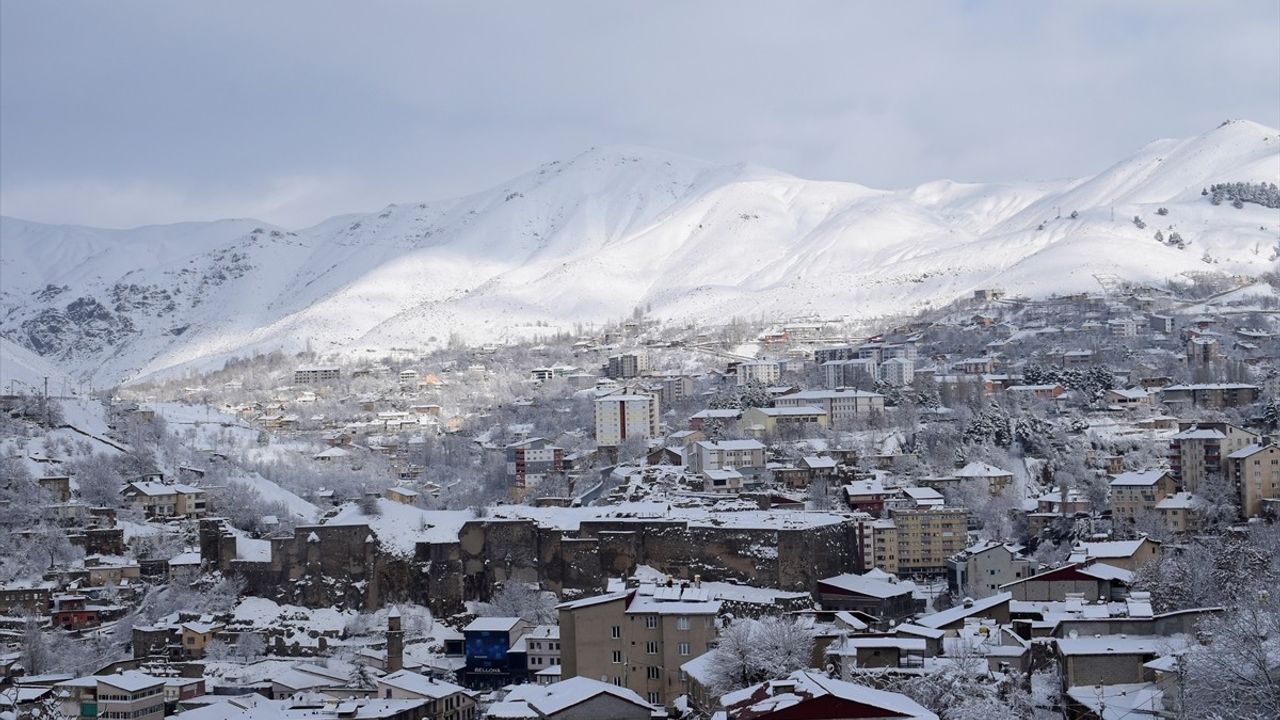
(128, 113)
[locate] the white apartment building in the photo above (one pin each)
(622, 416)
(768, 372)
(898, 371)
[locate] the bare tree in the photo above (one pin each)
(517, 599)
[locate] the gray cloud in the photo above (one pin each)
(126, 113)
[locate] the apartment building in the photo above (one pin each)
(768, 372)
(626, 366)
(1138, 492)
(1255, 471)
(898, 371)
(1199, 451)
(624, 415)
(736, 454)
(919, 540)
(854, 373)
(1211, 395)
(529, 461)
(638, 638)
(841, 406)
(316, 374)
(673, 389)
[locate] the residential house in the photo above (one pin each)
(1181, 512)
(737, 454)
(808, 694)
(1093, 580)
(541, 648)
(445, 701)
(164, 500)
(196, 636)
(702, 420)
(1137, 493)
(574, 698)
(1127, 554)
(995, 608)
(876, 593)
(722, 480)
(990, 477)
(980, 570)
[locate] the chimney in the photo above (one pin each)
(697, 581)
(968, 602)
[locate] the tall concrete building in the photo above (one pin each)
(763, 371)
(639, 638)
(1199, 451)
(919, 540)
(1255, 471)
(624, 415)
(626, 366)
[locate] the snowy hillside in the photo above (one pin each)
(590, 238)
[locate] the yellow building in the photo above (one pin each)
(1255, 470)
(919, 540)
(1137, 493)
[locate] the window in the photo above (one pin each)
(651, 621)
(651, 647)
(615, 632)
(682, 622)
(653, 672)
(684, 648)
(655, 698)
(617, 657)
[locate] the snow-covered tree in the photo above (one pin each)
(361, 677)
(1236, 674)
(963, 689)
(749, 651)
(517, 599)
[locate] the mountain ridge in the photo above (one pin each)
(589, 238)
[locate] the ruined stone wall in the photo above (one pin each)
(346, 566)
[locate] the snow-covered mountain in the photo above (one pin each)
(590, 238)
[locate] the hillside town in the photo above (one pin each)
(1001, 508)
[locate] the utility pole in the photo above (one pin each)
(45, 402)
